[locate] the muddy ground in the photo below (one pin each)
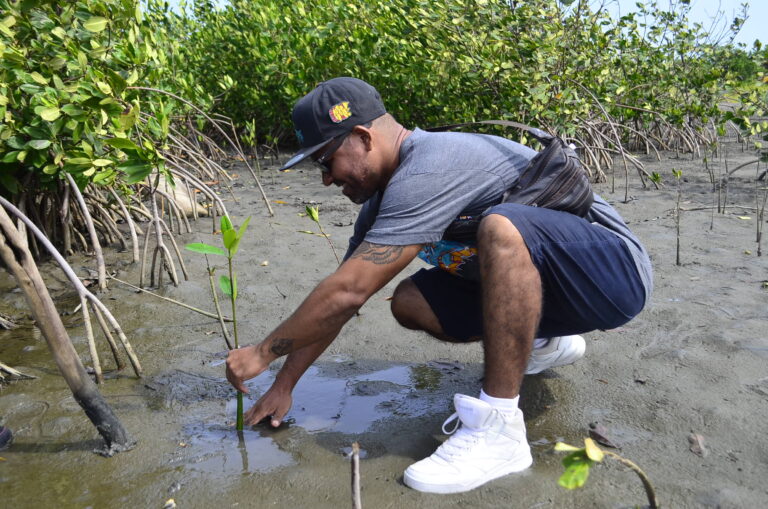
(695, 361)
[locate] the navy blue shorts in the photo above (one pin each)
(588, 276)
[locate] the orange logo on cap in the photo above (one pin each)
(339, 112)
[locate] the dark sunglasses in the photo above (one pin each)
(322, 161)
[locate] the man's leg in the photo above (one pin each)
(491, 441)
(414, 310)
(411, 310)
(511, 292)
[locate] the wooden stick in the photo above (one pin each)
(356, 501)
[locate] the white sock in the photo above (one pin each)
(540, 342)
(503, 405)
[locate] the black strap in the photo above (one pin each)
(535, 132)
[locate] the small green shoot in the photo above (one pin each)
(578, 462)
(314, 214)
(228, 284)
(679, 176)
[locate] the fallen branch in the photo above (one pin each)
(178, 303)
(14, 373)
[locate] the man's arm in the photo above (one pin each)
(318, 320)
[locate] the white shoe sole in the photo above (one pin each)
(510, 467)
(571, 351)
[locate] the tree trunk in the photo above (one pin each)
(16, 256)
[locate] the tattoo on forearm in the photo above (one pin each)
(378, 253)
(281, 346)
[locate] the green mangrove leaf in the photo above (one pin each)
(38, 78)
(121, 143)
(79, 161)
(9, 182)
(39, 144)
(103, 176)
(199, 247)
(102, 162)
(105, 88)
(96, 24)
(50, 114)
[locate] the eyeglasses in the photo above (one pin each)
(322, 162)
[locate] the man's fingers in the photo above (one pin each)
(277, 417)
(236, 382)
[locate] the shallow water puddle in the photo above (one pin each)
(334, 398)
(222, 450)
(323, 401)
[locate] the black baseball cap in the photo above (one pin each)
(332, 109)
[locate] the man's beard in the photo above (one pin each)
(359, 192)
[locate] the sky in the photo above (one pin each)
(703, 11)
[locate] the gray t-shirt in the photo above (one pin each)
(444, 176)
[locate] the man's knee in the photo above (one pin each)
(404, 302)
(497, 232)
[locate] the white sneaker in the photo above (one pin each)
(559, 351)
(488, 445)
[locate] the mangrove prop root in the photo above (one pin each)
(91, 341)
(19, 261)
(92, 232)
(110, 339)
(226, 136)
(81, 290)
(130, 223)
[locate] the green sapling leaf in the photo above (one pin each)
(199, 247)
(574, 476)
(229, 238)
(313, 213)
(593, 450)
(225, 285)
(241, 231)
(226, 224)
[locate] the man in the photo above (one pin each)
(530, 273)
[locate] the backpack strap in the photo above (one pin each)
(540, 135)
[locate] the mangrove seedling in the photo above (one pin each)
(578, 462)
(679, 176)
(228, 284)
(314, 214)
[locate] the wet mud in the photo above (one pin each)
(694, 362)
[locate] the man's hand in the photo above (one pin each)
(275, 403)
(243, 364)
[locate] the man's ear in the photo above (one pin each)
(366, 136)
